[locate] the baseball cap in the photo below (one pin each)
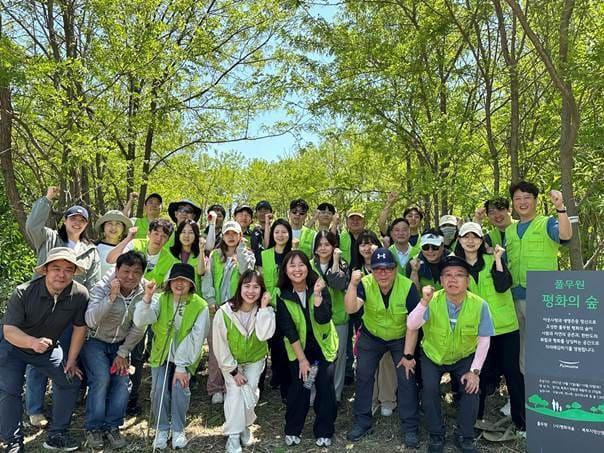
(327, 207)
(231, 225)
(298, 203)
(447, 220)
(264, 205)
(76, 210)
(244, 207)
(154, 195)
(470, 227)
(357, 213)
(453, 260)
(383, 258)
(431, 239)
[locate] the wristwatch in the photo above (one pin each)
(409, 356)
(476, 371)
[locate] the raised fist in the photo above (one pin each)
(427, 293)
(53, 193)
(355, 277)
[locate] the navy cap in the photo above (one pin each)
(383, 258)
(298, 203)
(325, 206)
(264, 205)
(453, 260)
(154, 195)
(243, 207)
(76, 210)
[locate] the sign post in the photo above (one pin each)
(565, 362)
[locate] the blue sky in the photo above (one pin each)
(273, 148)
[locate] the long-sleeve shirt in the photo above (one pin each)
(262, 321)
(186, 352)
(244, 261)
(111, 322)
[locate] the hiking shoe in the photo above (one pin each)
(291, 440)
(437, 444)
(161, 440)
(115, 438)
(179, 439)
(411, 440)
(61, 441)
(217, 398)
(246, 437)
(233, 444)
(94, 439)
(465, 444)
(323, 442)
(357, 432)
(38, 420)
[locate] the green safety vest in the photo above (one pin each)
(413, 252)
(346, 245)
(245, 349)
(217, 273)
(270, 273)
(501, 305)
(423, 281)
(338, 308)
(307, 240)
(140, 245)
(325, 334)
(165, 262)
(142, 223)
(495, 236)
(163, 328)
(386, 323)
(443, 345)
(536, 251)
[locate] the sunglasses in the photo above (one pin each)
(427, 247)
(185, 210)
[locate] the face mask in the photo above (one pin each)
(449, 232)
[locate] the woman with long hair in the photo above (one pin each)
(304, 316)
(240, 331)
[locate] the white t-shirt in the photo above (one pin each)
(104, 250)
(151, 259)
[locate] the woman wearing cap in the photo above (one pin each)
(180, 323)
(225, 265)
(71, 234)
(424, 269)
(304, 316)
(187, 248)
(448, 226)
(330, 267)
(279, 245)
(240, 331)
(491, 280)
(112, 226)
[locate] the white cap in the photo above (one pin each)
(432, 239)
(470, 227)
(231, 225)
(447, 219)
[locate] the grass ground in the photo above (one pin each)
(205, 420)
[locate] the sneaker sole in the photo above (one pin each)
(50, 447)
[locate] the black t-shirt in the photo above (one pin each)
(257, 242)
(34, 310)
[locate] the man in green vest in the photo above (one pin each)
(497, 211)
(303, 237)
(424, 269)
(386, 297)
(533, 244)
(457, 327)
(151, 211)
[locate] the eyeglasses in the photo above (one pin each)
(427, 247)
(455, 276)
(297, 212)
(185, 210)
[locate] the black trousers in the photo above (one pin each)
(503, 357)
(298, 402)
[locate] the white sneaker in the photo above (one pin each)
(179, 439)
(161, 440)
(38, 420)
(217, 398)
(507, 409)
(385, 411)
(246, 437)
(233, 445)
(323, 442)
(292, 440)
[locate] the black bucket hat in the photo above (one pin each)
(172, 207)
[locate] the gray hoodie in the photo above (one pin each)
(111, 322)
(44, 239)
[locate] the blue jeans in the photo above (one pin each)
(37, 381)
(12, 370)
(107, 393)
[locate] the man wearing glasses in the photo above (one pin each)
(424, 270)
(304, 237)
(457, 327)
(386, 297)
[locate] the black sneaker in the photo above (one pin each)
(465, 444)
(61, 441)
(411, 440)
(115, 439)
(357, 432)
(94, 439)
(16, 447)
(133, 409)
(437, 444)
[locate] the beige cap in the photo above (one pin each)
(61, 253)
(231, 225)
(360, 214)
(470, 227)
(447, 219)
